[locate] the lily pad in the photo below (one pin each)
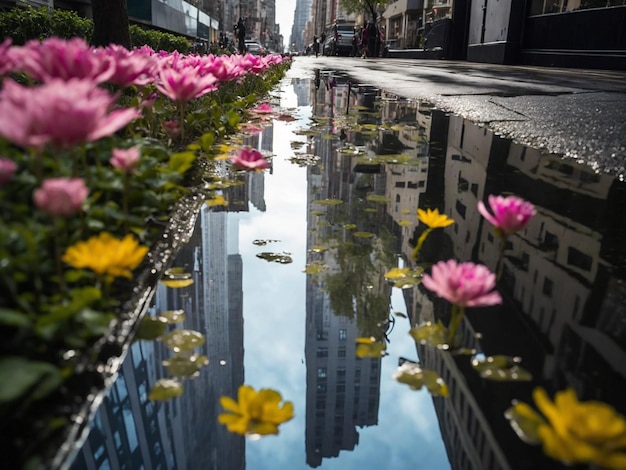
(432, 334)
(415, 377)
(378, 198)
(369, 347)
(151, 328)
(165, 389)
(263, 242)
(525, 422)
(501, 368)
(173, 316)
(182, 365)
(183, 340)
(328, 202)
(363, 234)
(281, 258)
(315, 267)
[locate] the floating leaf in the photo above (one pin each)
(216, 200)
(370, 209)
(315, 267)
(183, 340)
(173, 316)
(151, 328)
(431, 334)
(415, 377)
(319, 249)
(177, 278)
(328, 202)
(363, 234)
(323, 223)
(369, 347)
(181, 365)
(349, 226)
(318, 213)
(525, 422)
(396, 273)
(405, 223)
(165, 389)
(501, 368)
(378, 198)
(282, 258)
(263, 242)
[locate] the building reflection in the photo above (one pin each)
(562, 282)
(129, 431)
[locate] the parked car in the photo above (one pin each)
(338, 39)
(255, 47)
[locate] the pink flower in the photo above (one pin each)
(6, 62)
(7, 170)
(510, 214)
(60, 113)
(171, 128)
(249, 159)
(64, 59)
(61, 197)
(134, 67)
(464, 284)
(184, 85)
(263, 109)
(125, 159)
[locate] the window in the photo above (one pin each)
(341, 352)
(343, 334)
(321, 352)
(321, 372)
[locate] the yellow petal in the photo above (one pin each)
(229, 404)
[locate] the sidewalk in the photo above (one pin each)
(575, 112)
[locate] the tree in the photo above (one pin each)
(359, 6)
(110, 19)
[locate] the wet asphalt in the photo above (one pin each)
(577, 113)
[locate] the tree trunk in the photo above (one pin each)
(110, 19)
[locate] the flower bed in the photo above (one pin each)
(106, 156)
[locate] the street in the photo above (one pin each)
(580, 114)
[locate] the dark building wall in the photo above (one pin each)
(591, 38)
(505, 32)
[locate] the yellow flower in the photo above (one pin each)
(580, 432)
(257, 413)
(106, 255)
(433, 218)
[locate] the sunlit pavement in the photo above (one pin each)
(577, 113)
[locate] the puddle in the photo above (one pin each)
(351, 166)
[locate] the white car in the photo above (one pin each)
(255, 47)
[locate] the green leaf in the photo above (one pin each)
(151, 328)
(181, 365)
(165, 389)
(525, 422)
(14, 318)
(181, 162)
(369, 347)
(415, 377)
(328, 202)
(19, 376)
(316, 267)
(501, 368)
(282, 258)
(431, 334)
(183, 340)
(173, 316)
(206, 141)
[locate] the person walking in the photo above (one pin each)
(316, 46)
(240, 30)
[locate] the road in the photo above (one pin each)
(580, 114)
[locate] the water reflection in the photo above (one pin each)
(356, 165)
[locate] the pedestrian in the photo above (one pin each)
(355, 44)
(316, 46)
(240, 30)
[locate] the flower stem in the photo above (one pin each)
(420, 242)
(181, 110)
(125, 201)
(58, 249)
(500, 263)
(457, 316)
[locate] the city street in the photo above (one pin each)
(577, 113)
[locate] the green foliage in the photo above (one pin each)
(157, 40)
(24, 24)
(363, 6)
